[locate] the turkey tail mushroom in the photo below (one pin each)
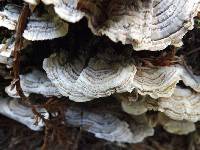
(102, 125)
(100, 78)
(34, 82)
(182, 127)
(67, 10)
(147, 25)
(182, 105)
(13, 109)
(39, 27)
(161, 81)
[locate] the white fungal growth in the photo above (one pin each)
(102, 125)
(34, 82)
(182, 105)
(147, 25)
(100, 78)
(39, 27)
(23, 114)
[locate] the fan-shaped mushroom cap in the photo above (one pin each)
(66, 10)
(103, 76)
(157, 82)
(64, 74)
(44, 27)
(161, 81)
(103, 125)
(34, 82)
(182, 105)
(150, 25)
(174, 126)
(12, 109)
(100, 78)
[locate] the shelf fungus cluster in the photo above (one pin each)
(151, 25)
(83, 67)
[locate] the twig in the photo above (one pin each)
(21, 24)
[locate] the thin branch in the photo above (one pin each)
(21, 25)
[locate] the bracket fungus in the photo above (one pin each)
(100, 78)
(97, 78)
(104, 126)
(176, 127)
(182, 105)
(39, 27)
(34, 82)
(85, 66)
(12, 109)
(147, 25)
(162, 81)
(159, 82)
(66, 9)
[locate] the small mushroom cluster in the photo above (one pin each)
(97, 66)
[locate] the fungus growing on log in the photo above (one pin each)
(117, 74)
(39, 27)
(100, 78)
(34, 82)
(106, 126)
(182, 105)
(147, 25)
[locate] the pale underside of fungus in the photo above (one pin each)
(39, 27)
(147, 25)
(182, 105)
(176, 127)
(138, 111)
(181, 127)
